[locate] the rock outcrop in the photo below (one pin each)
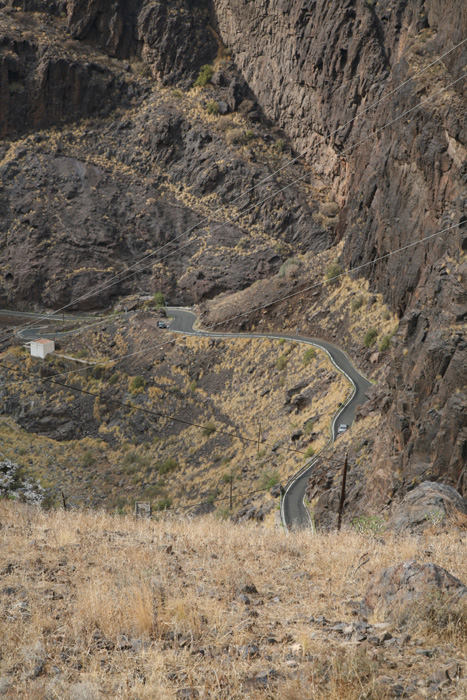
(315, 67)
(429, 505)
(410, 583)
(174, 39)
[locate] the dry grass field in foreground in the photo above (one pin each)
(95, 606)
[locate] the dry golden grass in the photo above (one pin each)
(95, 606)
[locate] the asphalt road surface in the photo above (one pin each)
(18, 322)
(293, 511)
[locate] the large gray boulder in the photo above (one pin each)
(427, 505)
(396, 589)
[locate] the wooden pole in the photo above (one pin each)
(341, 503)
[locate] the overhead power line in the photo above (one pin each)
(116, 279)
(266, 305)
(165, 416)
(237, 436)
(256, 205)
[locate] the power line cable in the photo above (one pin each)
(286, 187)
(175, 419)
(270, 176)
(246, 313)
(342, 274)
(364, 264)
(302, 177)
(165, 416)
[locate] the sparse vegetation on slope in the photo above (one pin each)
(105, 454)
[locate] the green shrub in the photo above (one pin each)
(249, 134)
(308, 355)
(357, 303)
(308, 427)
(88, 458)
(113, 379)
(368, 525)
(281, 362)
(370, 337)
(279, 145)
(169, 465)
(193, 385)
(82, 353)
(164, 504)
(309, 452)
(385, 343)
(334, 271)
(159, 299)
(268, 480)
(177, 93)
(134, 461)
(137, 384)
(204, 76)
(209, 428)
(212, 496)
(212, 107)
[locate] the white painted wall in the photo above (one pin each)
(41, 348)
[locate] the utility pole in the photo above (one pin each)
(341, 503)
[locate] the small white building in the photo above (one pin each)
(42, 347)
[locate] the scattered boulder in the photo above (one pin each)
(249, 512)
(397, 586)
(427, 505)
(204, 509)
(187, 693)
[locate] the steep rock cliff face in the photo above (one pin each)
(173, 38)
(91, 197)
(44, 82)
(314, 66)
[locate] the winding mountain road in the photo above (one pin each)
(294, 514)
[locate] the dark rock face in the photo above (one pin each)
(409, 582)
(316, 66)
(173, 38)
(42, 83)
(427, 505)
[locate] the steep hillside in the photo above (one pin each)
(113, 146)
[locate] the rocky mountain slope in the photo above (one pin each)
(140, 156)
